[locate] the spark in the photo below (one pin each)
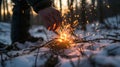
(108, 6)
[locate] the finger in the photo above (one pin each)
(54, 19)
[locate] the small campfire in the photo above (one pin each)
(65, 38)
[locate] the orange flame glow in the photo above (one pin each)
(65, 32)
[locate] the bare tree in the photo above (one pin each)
(93, 10)
(93, 3)
(76, 5)
(100, 10)
(4, 15)
(0, 10)
(61, 5)
(71, 10)
(83, 14)
(7, 11)
(68, 3)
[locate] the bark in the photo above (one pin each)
(83, 14)
(0, 10)
(70, 7)
(61, 5)
(20, 22)
(8, 14)
(4, 15)
(100, 11)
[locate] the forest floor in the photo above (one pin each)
(100, 48)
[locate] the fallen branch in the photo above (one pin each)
(98, 39)
(48, 44)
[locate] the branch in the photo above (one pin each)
(97, 39)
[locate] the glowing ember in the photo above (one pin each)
(66, 36)
(65, 32)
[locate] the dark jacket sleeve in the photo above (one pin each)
(39, 4)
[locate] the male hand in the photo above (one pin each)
(51, 18)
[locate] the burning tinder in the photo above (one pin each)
(65, 37)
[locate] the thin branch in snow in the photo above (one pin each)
(36, 58)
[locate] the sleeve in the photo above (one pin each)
(39, 4)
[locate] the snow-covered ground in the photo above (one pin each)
(101, 50)
(5, 33)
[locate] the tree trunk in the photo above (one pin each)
(0, 10)
(61, 5)
(76, 6)
(8, 14)
(68, 3)
(93, 12)
(100, 11)
(71, 10)
(93, 3)
(20, 21)
(4, 11)
(83, 14)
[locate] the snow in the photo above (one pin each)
(99, 53)
(24, 61)
(5, 33)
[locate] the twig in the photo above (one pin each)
(72, 63)
(36, 58)
(28, 51)
(49, 43)
(83, 41)
(2, 61)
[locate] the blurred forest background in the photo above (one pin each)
(85, 11)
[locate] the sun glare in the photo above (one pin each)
(65, 5)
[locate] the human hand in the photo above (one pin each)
(51, 18)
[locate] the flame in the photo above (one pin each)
(65, 32)
(54, 26)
